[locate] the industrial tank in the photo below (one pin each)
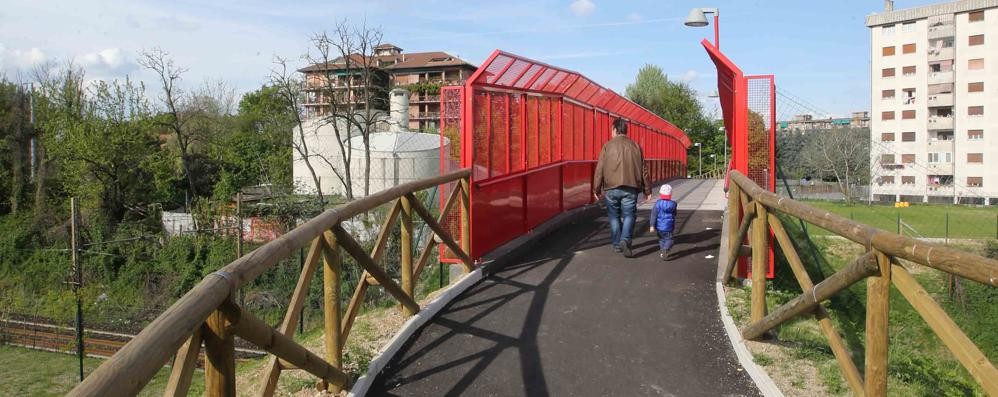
(396, 158)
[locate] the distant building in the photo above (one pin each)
(803, 123)
(421, 72)
(935, 103)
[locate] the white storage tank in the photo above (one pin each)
(396, 158)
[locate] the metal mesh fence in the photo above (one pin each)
(761, 130)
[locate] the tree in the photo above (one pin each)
(262, 140)
(58, 103)
(353, 87)
(103, 155)
(677, 103)
(843, 154)
(16, 134)
(288, 89)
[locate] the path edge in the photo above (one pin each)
(494, 261)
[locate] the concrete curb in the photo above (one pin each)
(758, 375)
(494, 261)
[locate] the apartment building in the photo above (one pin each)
(934, 127)
(803, 123)
(423, 73)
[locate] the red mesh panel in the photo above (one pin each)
(514, 72)
(480, 140)
(516, 131)
(532, 132)
(450, 160)
(544, 130)
(566, 130)
(544, 79)
(497, 66)
(761, 130)
(527, 77)
(500, 136)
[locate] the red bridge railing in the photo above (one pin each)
(531, 134)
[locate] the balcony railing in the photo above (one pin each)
(941, 77)
(424, 99)
(940, 100)
(427, 115)
(940, 31)
(940, 122)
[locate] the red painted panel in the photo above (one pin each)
(543, 188)
(496, 214)
(577, 184)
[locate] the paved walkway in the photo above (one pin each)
(572, 318)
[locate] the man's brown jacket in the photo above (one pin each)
(621, 164)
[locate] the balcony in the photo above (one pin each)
(424, 99)
(940, 31)
(426, 116)
(936, 100)
(940, 146)
(940, 53)
(936, 123)
(941, 77)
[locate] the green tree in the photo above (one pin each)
(15, 138)
(677, 102)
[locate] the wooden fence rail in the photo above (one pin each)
(880, 266)
(207, 315)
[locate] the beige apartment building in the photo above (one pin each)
(420, 72)
(934, 127)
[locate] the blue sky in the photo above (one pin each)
(818, 50)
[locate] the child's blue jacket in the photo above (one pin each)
(663, 214)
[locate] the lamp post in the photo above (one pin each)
(698, 19)
(714, 156)
(699, 158)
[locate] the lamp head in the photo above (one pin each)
(697, 18)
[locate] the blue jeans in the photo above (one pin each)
(621, 204)
(665, 240)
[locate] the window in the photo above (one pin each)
(943, 136)
(887, 30)
(909, 96)
(976, 39)
(908, 180)
(975, 135)
(908, 136)
(908, 27)
(933, 157)
(975, 181)
(940, 157)
(975, 157)
(887, 116)
(887, 159)
(975, 110)
(887, 94)
(887, 180)
(976, 16)
(907, 158)
(908, 114)
(887, 51)
(908, 70)
(887, 137)
(908, 48)
(975, 87)
(887, 72)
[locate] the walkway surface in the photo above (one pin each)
(573, 318)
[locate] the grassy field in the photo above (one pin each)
(922, 220)
(801, 362)
(29, 372)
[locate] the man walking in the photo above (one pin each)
(620, 175)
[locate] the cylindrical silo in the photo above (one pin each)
(399, 107)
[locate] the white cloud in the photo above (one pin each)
(635, 17)
(689, 76)
(582, 8)
(109, 62)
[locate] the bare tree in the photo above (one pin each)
(177, 104)
(353, 88)
(290, 90)
(844, 153)
(59, 103)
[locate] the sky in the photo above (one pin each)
(818, 50)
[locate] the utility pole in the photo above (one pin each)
(74, 230)
(239, 241)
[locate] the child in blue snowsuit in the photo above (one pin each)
(663, 220)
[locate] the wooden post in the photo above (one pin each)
(220, 357)
(734, 212)
(183, 367)
(406, 247)
(878, 289)
(760, 253)
(239, 239)
(466, 221)
(332, 278)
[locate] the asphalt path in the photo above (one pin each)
(573, 318)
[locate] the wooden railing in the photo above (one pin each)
(879, 265)
(207, 313)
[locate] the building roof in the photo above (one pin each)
(909, 14)
(416, 60)
(387, 46)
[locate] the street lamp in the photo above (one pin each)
(698, 19)
(699, 158)
(714, 156)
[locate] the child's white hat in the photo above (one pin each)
(665, 190)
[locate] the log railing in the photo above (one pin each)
(879, 265)
(208, 315)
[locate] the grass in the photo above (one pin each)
(925, 220)
(919, 365)
(29, 372)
